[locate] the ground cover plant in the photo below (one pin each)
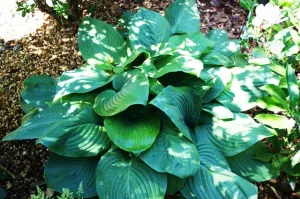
(156, 110)
(275, 28)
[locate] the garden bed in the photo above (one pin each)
(52, 50)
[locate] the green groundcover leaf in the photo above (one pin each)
(244, 165)
(120, 176)
(40, 124)
(80, 136)
(81, 80)
(69, 173)
(172, 153)
(148, 28)
(270, 103)
(183, 16)
(233, 136)
(292, 87)
(275, 121)
(99, 42)
(38, 90)
(214, 178)
(132, 132)
(131, 88)
(181, 104)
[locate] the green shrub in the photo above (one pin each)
(153, 112)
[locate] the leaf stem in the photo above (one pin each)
(9, 173)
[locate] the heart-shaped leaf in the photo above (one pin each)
(245, 87)
(70, 173)
(218, 110)
(183, 16)
(214, 178)
(171, 64)
(148, 28)
(131, 88)
(100, 43)
(174, 184)
(40, 124)
(133, 133)
(218, 36)
(228, 48)
(233, 136)
(172, 153)
(194, 45)
(244, 165)
(81, 80)
(181, 104)
(129, 176)
(38, 90)
(80, 136)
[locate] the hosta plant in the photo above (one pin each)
(156, 110)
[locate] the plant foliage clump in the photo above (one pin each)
(156, 110)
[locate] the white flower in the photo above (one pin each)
(297, 14)
(276, 47)
(267, 16)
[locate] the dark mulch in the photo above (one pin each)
(52, 50)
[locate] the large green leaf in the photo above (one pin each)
(80, 136)
(214, 178)
(174, 184)
(69, 173)
(172, 153)
(135, 59)
(171, 64)
(292, 87)
(228, 48)
(219, 77)
(148, 28)
(233, 136)
(181, 104)
(194, 45)
(245, 87)
(40, 124)
(132, 132)
(100, 43)
(209, 153)
(38, 90)
(183, 16)
(81, 80)
(123, 23)
(120, 176)
(216, 59)
(218, 110)
(218, 36)
(275, 121)
(244, 165)
(131, 88)
(2, 193)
